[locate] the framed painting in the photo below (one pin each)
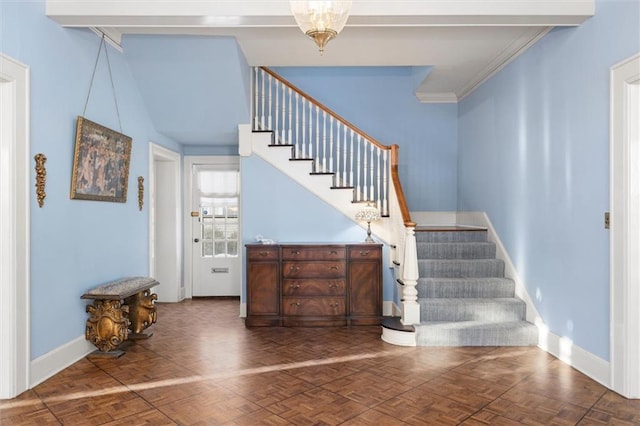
(100, 163)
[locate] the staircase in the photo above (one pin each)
(464, 298)
(454, 292)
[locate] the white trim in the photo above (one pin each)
(437, 98)
(14, 227)
(189, 162)
(502, 60)
(388, 309)
(580, 359)
(510, 271)
(112, 36)
(58, 359)
(398, 338)
(625, 227)
(159, 153)
(434, 218)
(243, 310)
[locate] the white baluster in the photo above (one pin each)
(317, 138)
(331, 167)
(372, 195)
(262, 123)
(324, 141)
(297, 126)
(289, 135)
(304, 129)
(276, 124)
(284, 114)
(337, 168)
(256, 90)
(270, 127)
(344, 157)
(310, 130)
(351, 162)
(385, 182)
(359, 170)
(378, 180)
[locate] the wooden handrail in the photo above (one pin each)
(395, 177)
(325, 109)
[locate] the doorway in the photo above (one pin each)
(15, 283)
(625, 227)
(213, 250)
(165, 255)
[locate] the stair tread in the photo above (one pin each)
(471, 324)
(470, 300)
(463, 280)
(476, 333)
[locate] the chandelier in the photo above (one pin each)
(321, 21)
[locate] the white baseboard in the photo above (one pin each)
(389, 309)
(580, 359)
(58, 359)
(434, 218)
(243, 310)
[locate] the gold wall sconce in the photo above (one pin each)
(140, 192)
(41, 178)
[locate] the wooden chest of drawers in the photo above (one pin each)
(314, 284)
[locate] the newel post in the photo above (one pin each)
(410, 305)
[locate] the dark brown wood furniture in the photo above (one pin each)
(314, 284)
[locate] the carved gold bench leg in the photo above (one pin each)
(107, 326)
(142, 313)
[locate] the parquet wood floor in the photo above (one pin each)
(203, 367)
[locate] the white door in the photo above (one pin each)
(215, 230)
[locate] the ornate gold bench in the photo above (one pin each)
(121, 310)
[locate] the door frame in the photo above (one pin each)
(15, 228)
(625, 227)
(158, 153)
(189, 162)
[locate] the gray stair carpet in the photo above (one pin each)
(464, 298)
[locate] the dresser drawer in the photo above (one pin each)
(314, 269)
(364, 252)
(263, 253)
(318, 306)
(314, 287)
(313, 253)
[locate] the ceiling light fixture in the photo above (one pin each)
(321, 21)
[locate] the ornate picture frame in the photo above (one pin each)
(100, 163)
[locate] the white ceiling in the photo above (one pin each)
(463, 41)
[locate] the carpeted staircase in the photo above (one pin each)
(464, 298)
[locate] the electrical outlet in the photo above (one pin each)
(606, 220)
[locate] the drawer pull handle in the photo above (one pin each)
(333, 305)
(295, 268)
(332, 267)
(333, 285)
(294, 286)
(364, 252)
(295, 252)
(295, 303)
(264, 253)
(333, 252)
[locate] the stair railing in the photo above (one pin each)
(355, 159)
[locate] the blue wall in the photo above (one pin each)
(75, 244)
(278, 208)
(381, 102)
(534, 154)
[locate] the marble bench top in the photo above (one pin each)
(121, 288)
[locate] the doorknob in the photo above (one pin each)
(196, 240)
